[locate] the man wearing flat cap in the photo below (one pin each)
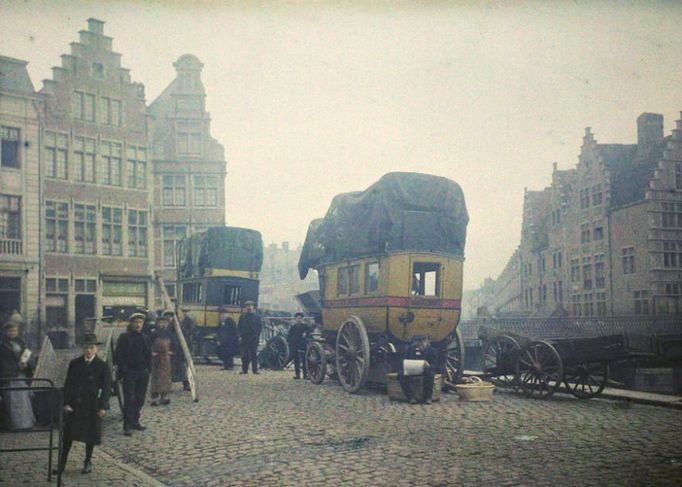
(133, 360)
(86, 401)
(298, 340)
(249, 329)
(228, 339)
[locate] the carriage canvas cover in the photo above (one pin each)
(401, 211)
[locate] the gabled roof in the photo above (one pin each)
(14, 76)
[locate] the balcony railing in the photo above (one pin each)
(11, 246)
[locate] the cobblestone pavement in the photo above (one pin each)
(271, 430)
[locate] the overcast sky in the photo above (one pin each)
(312, 100)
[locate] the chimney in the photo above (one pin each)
(649, 128)
(96, 26)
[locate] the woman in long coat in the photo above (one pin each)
(161, 362)
(17, 404)
(86, 399)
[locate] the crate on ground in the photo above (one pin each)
(395, 392)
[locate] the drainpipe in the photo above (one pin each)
(608, 222)
(41, 280)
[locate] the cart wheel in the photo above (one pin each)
(540, 370)
(278, 352)
(454, 362)
(352, 354)
(316, 362)
(499, 360)
(587, 380)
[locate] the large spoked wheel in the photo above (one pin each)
(352, 354)
(316, 361)
(454, 362)
(277, 352)
(587, 380)
(500, 355)
(540, 370)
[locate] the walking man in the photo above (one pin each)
(133, 359)
(249, 329)
(86, 401)
(298, 339)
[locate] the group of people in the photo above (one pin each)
(240, 338)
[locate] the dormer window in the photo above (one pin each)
(98, 70)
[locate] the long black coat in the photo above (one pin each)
(228, 339)
(249, 328)
(86, 390)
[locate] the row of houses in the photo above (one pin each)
(97, 186)
(605, 238)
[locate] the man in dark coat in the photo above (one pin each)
(86, 401)
(249, 329)
(133, 361)
(421, 350)
(298, 339)
(228, 340)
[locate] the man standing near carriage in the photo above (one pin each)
(228, 339)
(420, 350)
(298, 339)
(86, 401)
(249, 329)
(133, 360)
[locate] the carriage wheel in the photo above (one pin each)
(587, 380)
(277, 352)
(352, 354)
(454, 361)
(540, 370)
(499, 360)
(316, 361)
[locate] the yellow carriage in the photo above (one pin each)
(389, 261)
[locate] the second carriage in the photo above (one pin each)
(389, 261)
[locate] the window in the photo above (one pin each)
(557, 260)
(56, 223)
(84, 155)
(672, 253)
(585, 233)
(191, 292)
(170, 290)
(85, 285)
(641, 302)
(97, 71)
(354, 278)
(137, 233)
(206, 191)
(232, 295)
(584, 198)
(10, 296)
(372, 277)
(174, 191)
(588, 305)
(83, 106)
(628, 258)
(558, 292)
(172, 234)
(425, 279)
(669, 303)
(55, 301)
(137, 167)
(575, 302)
(111, 163)
(587, 272)
(112, 230)
(598, 233)
(110, 111)
(9, 147)
(10, 224)
(84, 228)
(556, 217)
(541, 264)
(56, 161)
(189, 138)
(596, 195)
(342, 281)
(599, 272)
(672, 215)
(575, 270)
(601, 304)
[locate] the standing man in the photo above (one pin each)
(421, 350)
(249, 329)
(228, 340)
(298, 339)
(133, 359)
(86, 401)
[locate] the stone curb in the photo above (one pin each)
(142, 476)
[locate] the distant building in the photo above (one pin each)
(279, 279)
(605, 238)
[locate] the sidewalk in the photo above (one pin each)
(30, 468)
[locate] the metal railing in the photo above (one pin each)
(54, 392)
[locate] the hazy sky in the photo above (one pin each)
(315, 99)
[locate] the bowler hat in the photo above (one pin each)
(90, 339)
(137, 314)
(247, 303)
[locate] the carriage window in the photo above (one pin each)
(354, 279)
(425, 279)
(342, 281)
(232, 295)
(372, 277)
(191, 292)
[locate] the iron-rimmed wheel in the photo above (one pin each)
(588, 380)
(454, 361)
(499, 358)
(540, 370)
(352, 354)
(277, 352)
(316, 362)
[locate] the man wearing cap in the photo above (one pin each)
(249, 329)
(228, 339)
(86, 401)
(133, 360)
(298, 339)
(420, 350)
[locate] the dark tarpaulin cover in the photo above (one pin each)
(239, 249)
(401, 211)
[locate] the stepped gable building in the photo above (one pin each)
(606, 237)
(189, 166)
(20, 112)
(97, 185)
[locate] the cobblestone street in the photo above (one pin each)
(272, 430)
